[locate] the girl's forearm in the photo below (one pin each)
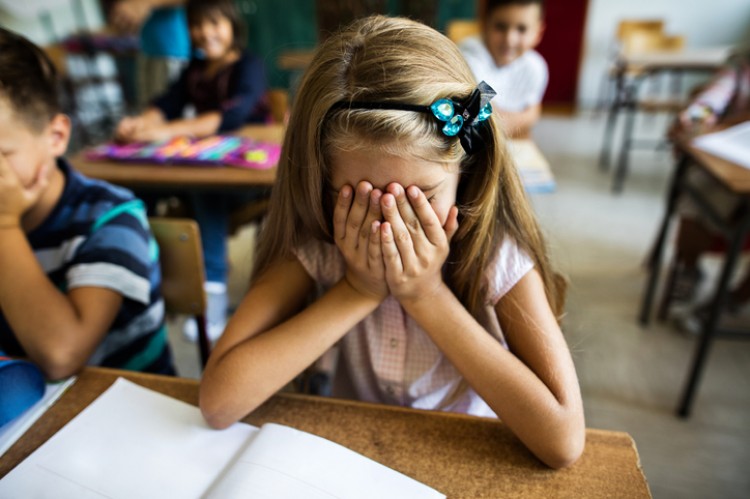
(246, 375)
(546, 422)
(203, 125)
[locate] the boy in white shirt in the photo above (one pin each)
(504, 56)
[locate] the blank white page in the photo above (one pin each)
(130, 442)
(732, 144)
(284, 463)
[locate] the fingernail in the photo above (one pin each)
(345, 193)
(388, 201)
(413, 192)
(375, 227)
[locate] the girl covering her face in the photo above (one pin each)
(399, 230)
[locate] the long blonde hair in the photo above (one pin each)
(397, 60)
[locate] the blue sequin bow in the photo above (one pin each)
(463, 119)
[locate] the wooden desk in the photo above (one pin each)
(461, 456)
(160, 176)
(533, 167)
(630, 72)
(736, 180)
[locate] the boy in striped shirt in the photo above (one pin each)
(79, 273)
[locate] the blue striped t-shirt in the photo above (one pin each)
(97, 235)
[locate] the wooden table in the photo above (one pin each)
(736, 181)
(630, 71)
(533, 167)
(461, 456)
(159, 176)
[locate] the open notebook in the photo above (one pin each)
(134, 442)
(732, 144)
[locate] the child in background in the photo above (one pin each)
(505, 58)
(164, 42)
(725, 100)
(397, 203)
(80, 278)
(226, 87)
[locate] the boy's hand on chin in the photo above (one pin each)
(15, 199)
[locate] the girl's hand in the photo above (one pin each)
(127, 128)
(141, 129)
(15, 199)
(415, 245)
(356, 228)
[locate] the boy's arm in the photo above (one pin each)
(58, 332)
(518, 125)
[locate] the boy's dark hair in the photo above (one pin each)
(28, 80)
(490, 5)
(200, 9)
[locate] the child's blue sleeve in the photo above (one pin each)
(247, 91)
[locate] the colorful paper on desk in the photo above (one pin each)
(135, 442)
(732, 144)
(218, 150)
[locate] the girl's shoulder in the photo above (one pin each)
(507, 266)
(321, 260)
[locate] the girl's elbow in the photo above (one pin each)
(213, 409)
(566, 451)
(218, 410)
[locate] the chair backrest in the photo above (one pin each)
(458, 29)
(626, 27)
(182, 273)
(181, 258)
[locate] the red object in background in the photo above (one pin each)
(562, 48)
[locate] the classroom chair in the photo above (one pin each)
(182, 273)
(637, 38)
(626, 30)
(648, 101)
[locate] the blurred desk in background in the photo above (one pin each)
(532, 166)
(160, 176)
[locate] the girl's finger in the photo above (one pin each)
(373, 214)
(357, 213)
(428, 219)
(400, 233)
(341, 212)
(374, 250)
(451, 224)
(405, 209)
(391, 257)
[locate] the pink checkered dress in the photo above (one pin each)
(388, 358)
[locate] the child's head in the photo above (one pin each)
(512, 27)
(216, 27)
(392, 62)
(32, 129)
